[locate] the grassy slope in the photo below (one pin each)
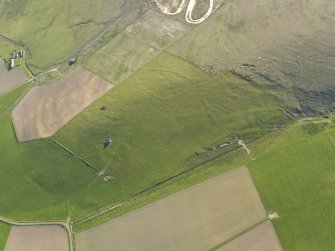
(289, 43)
(162, 116)
(295, 175)
(42, 182)
(4, 231)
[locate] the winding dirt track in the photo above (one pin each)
(189, 10)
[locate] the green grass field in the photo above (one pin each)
(43, 182)
(4, 231)
(294, 172)
(189, 112)
(164, 119)
(187, 117)
(169, 117)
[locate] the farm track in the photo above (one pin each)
(260, 237)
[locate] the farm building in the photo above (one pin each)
(11, 64)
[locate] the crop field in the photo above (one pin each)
(166, 111)
(261, 238)
(4, 231)
(10, 79)
(78, 21)
(46, 109)
(194, 219)
(37, 238)
(142, 40)
(285, 46)
(42, 181)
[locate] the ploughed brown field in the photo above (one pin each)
(197, 218)
(37, 238)
(10, 79)
(46, 109)
(261, 238)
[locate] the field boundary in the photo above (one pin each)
(246, 230)
(88, 164)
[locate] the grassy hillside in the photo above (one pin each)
(4, 231)
(43, 182)
(288, 44)
(165, 119)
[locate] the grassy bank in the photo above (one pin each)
(4, 231)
